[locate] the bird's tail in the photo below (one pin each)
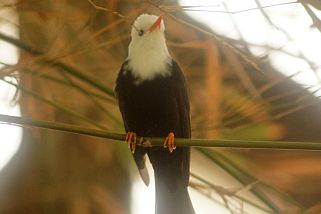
(172, 200)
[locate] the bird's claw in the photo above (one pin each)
(169, 142)
(131, 141)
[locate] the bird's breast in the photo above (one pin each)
(151, 107)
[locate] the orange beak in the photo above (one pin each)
(157, 24)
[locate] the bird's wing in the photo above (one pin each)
(182, 100)
(172, 169)
(140, 154)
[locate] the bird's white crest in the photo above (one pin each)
(148, 55)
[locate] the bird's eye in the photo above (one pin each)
(140, 32)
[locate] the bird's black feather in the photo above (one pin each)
(154, 108)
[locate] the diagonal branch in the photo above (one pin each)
(316, 21)
(174, 8)
(211, 35)
(56, 105)
(108, 10)
(226, 192)
(58, 64)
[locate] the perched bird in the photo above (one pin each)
(153, 100)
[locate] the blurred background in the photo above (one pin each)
(253, 73)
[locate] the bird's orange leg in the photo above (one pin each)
(131, 141)
(169, 142)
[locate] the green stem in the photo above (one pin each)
(23, 121)
(279, 145)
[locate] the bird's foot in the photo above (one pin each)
(131, 141)
(169, 142)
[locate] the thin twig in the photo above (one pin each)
(244, 177)
(224, 191)
(69, 69)
(56, 105)
(113, 12)
(77, 87)
(212, 35)
(190, 8)
(108, 10)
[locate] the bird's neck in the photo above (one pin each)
(149, 59)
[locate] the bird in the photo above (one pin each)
(153, 100)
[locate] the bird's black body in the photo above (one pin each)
(154, 108)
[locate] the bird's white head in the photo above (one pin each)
(148, 55)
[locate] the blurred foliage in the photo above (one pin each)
(70, 54)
